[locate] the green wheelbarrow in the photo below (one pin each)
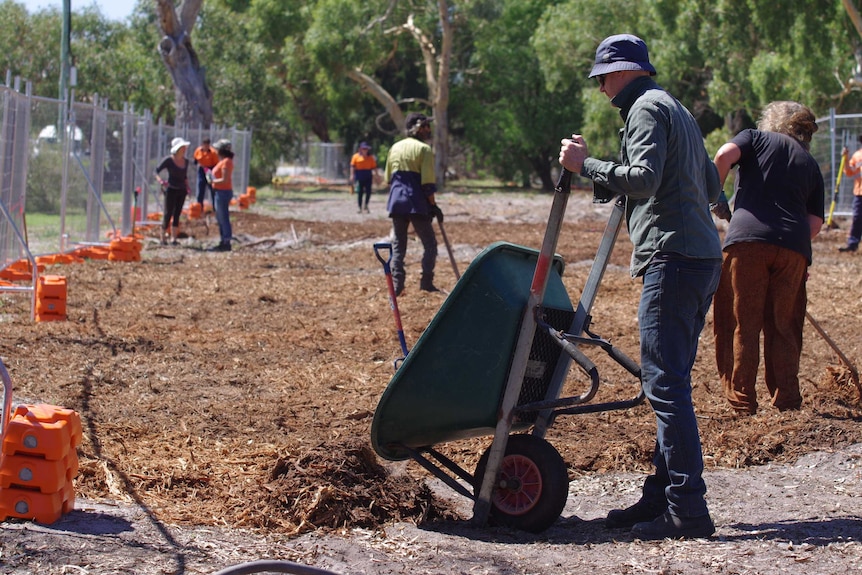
(493, 362)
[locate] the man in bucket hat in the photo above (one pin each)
(668, 182)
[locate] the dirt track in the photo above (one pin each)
(221, 393)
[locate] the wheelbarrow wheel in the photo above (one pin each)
(532, 485)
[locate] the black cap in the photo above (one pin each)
(416, 119)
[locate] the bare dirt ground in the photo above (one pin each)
(227, 400)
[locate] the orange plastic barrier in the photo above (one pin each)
(93, 252)
(196, 210)
(59, 259)
(31, 504)
(20, 270)
(38, 463)
(126, 249)
(51, 298)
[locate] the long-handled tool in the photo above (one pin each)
(829, 223)
(854, 373)
(448, 248)
(393, 301)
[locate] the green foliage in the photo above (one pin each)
(30, 47)
(511, 117)
(43, 181)
(519, 68)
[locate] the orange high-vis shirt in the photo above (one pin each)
(852, 168)
(223, 171)
(206, 158)
(359, 162)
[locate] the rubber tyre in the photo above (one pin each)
(536, 484)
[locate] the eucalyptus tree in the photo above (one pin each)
(509, 113)
(565, 42)
(360, 40)
(193, 96)
(762, 51)
(246, 80)
(30, 46)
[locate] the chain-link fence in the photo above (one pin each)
(317, 162)
(70, 175)
(78, 174)
(835, 132)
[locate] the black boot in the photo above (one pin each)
(427, 283)
(640, 512)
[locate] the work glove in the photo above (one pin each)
(436, 212)
(721, 210)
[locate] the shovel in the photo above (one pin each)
(393, 302)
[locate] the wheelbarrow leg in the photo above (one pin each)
(482, 505)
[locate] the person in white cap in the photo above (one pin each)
(175, 188)
(668, 182)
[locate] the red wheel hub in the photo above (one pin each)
(519, 486)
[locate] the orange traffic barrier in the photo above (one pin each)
(46, 475)
(196, 210)
(59, 259)
(51, 298)
(31, 504)
(43, 430)
(20, 270)
(93, 252)
(38, 462)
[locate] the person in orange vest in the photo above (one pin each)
(205, 159)
(362, 167)
(222, 177)
(853, 169)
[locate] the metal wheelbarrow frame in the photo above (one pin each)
(521, 480)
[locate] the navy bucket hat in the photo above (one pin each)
(621, 52)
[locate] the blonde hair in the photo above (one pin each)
(789, 118)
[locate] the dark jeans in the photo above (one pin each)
(676, 296)
(203, 186)
(423, 228)
(856, 227)
(222, 209)
(363, 189)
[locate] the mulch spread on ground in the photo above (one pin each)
(238, 388)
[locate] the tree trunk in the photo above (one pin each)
(542, 167)
(437, 68)
(193, 97)
(437, 77)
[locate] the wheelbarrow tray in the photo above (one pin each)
(451, 383)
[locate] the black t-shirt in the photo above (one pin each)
(778, 185)
(177, 176)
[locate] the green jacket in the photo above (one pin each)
(665, 174)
